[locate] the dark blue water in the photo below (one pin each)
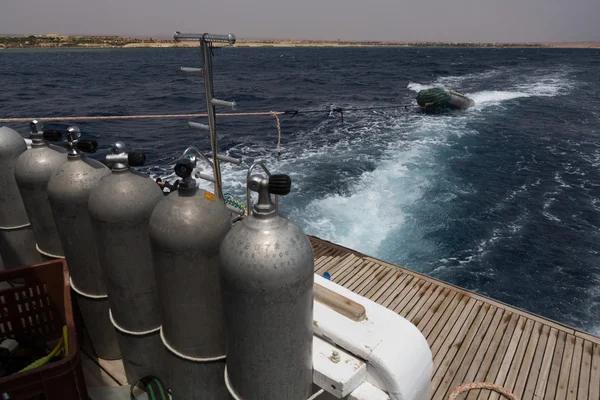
(503, 199)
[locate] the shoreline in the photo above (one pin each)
(326, 44)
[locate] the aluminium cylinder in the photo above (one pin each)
(267, 277)
(186, 231)
(32, 173)
(68, 192)
(17, 243)
(120, 208)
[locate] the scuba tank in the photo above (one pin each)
(32, 173)
(17, 243)
(120, 208)
(267, 277)
(68, 192)
(186, 230)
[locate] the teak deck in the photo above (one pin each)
(472, 338)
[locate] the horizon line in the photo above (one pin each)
(163, 36)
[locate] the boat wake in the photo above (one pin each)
(400, 186)
(367, 184)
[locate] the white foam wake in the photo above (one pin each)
(537, 84)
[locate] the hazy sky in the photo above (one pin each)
(435, 20)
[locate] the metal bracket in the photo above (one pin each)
(206, 40)
(192, 71)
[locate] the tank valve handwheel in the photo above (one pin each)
(52, 135)
(280, 184)
(87, 145)
(184, 168)
(136, 159)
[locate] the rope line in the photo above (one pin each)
(482, 385)
(148, 116)
(133, 333)
(185, 357)
(10, 228)
(45, 253)
(165, 116)
(275, 114)
(84, 294)
(237, 397)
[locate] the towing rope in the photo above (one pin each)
(148, 116)
(482, 385)
(275, 114)
(330, 109)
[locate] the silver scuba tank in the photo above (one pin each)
(17, 243)
(68, 192)
(186, 230)
(120, 208)
(32, 173)
(267, 277)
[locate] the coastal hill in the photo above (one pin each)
(55, 40)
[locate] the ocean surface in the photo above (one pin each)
(502, 199)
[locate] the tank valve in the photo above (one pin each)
(119, 158)
(38, 133)
(75, 144)
(277, 184)
(184, 168)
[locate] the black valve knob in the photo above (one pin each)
(87, 145)
(52, 135)
(184, 167)
(136, 159)
(280, 184)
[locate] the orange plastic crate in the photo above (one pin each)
(42, 306)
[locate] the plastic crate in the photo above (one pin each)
(41, 306)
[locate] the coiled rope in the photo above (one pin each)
(482, 385)
(229, 199)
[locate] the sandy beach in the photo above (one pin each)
(298, 43)
(126, 42)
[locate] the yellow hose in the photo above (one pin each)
(44, 360)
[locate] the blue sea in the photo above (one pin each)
(502, 199)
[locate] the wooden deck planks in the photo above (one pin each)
(472, 338)
(594, 392)
(584, 375)
(555, 368)
(470, 349)
(529, 388)
(459, 353)
(565, 372)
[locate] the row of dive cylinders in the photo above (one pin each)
(166, 283)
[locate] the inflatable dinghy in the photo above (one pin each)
(442, 99)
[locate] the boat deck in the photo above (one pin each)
(472, 338)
